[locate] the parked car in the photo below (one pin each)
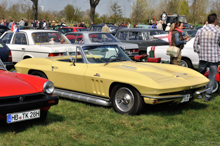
(189, 57)
(24, 97)
(35, 43)
(143, 26)
(3, 28)
(72, 29)
(5, 55)
(103, 74)
(102, 37)
(142, 37)
(113, 29)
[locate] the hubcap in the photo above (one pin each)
(183, 63)
(124, 99)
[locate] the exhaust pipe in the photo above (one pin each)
(82, 97)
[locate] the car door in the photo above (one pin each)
(67, 75)
(18, 46)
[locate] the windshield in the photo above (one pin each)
(49, 38)
(105, 54)
(182, 19)
(102, 37)
(2, 66)
(192, 33)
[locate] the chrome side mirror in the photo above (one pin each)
(71, 59)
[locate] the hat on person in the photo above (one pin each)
(168, 24)
(53, 21)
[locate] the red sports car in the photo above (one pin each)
(24, 97)
(71, 29)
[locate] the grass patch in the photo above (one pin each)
(76, 123)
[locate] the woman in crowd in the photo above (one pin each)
(178, 40)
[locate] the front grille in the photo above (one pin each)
(191, 91)
(22, 98)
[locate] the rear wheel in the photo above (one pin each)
(39, 74)
(126, 100)
(185, 62)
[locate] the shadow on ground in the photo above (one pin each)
(22, 126)
(171, 109)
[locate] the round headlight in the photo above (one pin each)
(48, 87)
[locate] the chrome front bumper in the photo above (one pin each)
(151, 99)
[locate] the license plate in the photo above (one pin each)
(22, 116)
(186, 98)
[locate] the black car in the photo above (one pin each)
(5, 55)
(142, 37)
(113, 29)
(3, 28)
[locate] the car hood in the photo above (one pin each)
(155, 74)
(13, 84)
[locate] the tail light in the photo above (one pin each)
(9, 57)
(55, 54)
(134, 50)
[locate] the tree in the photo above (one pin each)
(173, 6)
(35, 8)
(117, 11)
(139, 11)
(184, 8)
(69, 12)
(198, 10)
(93, 4)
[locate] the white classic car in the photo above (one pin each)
(189, 57)
(35, 44)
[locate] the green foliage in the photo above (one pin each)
(173, 6)
(69, 12)
(184, 8)
(117, 12)
(139, 11)
(76, 123)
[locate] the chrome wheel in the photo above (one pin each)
(183, 63)
(124, 99)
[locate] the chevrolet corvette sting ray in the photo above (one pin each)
(103, 74)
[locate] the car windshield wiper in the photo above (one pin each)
(116, 59)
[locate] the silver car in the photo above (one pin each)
(106, 38)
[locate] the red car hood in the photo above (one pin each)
(12, 84)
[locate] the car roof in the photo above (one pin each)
(86, 32)
(34, 30)
(139, 29)
(72, 27)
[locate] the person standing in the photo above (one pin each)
(206, 44)
(21, 23)
(159, 25)
(105, 28)
(178, 40)
(129, 25)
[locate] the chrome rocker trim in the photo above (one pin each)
(82, 97)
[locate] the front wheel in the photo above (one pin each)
(39, 74)
(126, 100)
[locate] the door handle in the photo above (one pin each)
(23, 49)
(54, 67)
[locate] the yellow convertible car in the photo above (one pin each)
(105, 75)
